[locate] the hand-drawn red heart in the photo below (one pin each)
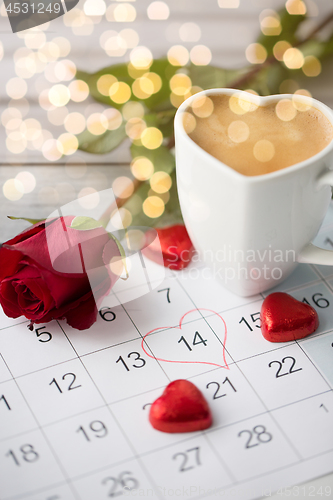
(284, 318)
(224, 365)
(181, 408)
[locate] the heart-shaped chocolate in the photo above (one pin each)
(181, 408)
(284, 318)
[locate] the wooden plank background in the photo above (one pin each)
(227, 33)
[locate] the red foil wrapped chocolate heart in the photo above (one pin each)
(181, 408)
(175, 244)
(284, 318)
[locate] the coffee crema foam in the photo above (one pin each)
(257, 140)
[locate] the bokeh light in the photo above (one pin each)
(280, 48)
(200, 55)
(120, 92)
(189, 32)
(158, 11)
(238, 131)
(189, 122)
(75, 123)
(296, 7)
(141, 57)
(142, 168)
(134, 128)
(123, 187)
(114, 118)
(16, 88)
(311, 66)
(133, 109)
(270, 24)
(97, 123)
(59, 95)
(78, 90)
(88, 198)
(13, 189)
(27, 180)
(160, 182)
(202, 106)
(293, 58)
(228, 4)
(68, 143)
(151, 138)
(180, 84)
(256, 53)
(120, 219)
(153, 206)
(178, 55)
(285, 110)
(263, 150)
(104, 83)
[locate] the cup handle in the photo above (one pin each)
(310, 253)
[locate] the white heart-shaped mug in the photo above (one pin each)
(253, 230)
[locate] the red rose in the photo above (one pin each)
(44, 273)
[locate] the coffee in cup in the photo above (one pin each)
(254, 139)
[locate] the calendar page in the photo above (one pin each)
(74, 405)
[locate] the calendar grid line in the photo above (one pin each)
(162, 450)
(204, 318)
(41, 429)
(273, 471)
(148, 347)
(264, 405)
(220, 459)
(269, 412)
(137, 457)
(12, 326)
(40, 490)
(314, 365)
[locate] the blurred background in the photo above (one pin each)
(49, 119)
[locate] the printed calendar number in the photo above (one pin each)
(121, 484)
(139, 362)
(167, 290)
(5, 402)
(43, 336)
(254, 318)
(71, 386)
(26, 452)
(107, 314)
(197, 340)
(188, 459)
(217, 394)
(318, 300)
(95, 429)
(324, 408)
(291, 362)
(258, 435)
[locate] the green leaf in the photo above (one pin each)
(289, 26)
(101, 144)
(162, 159)
(159, 101)
(119, 71)
(32, 221)
(122, 254)
(210, 77)
(82, 223)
